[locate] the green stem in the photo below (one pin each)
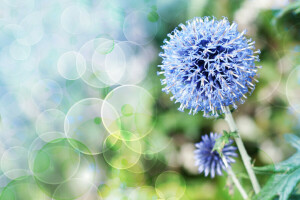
(237, 183)
(235, 180)
(246, 159)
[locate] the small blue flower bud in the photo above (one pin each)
(209, 161)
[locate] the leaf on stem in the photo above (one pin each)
(286, 174)
(223, 140)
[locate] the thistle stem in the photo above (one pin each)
(235, 180)
(245, 157)
(237, 183)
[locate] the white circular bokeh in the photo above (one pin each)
(75, 19)
(51, 122)
(137, 28)
(101, 46)
(14, 162)
(134, 105)
(71, 65)
(84, 123)
(33, 29)
(47, 94)
(109, 68)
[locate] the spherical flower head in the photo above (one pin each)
(209, 161)
(208, 65)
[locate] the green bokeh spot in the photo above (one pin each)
(127, 110)
(56, 166)
(23, 188)
(104, 190)
(124, 162)
(44, 162)
(52, 160)
(97, 120)
(148, 156)
(116, 146)
(126, 135)
(154, 8)
(153, 16)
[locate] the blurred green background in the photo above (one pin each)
(83, 115)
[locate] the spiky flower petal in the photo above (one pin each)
(209, 161)
(208, 65)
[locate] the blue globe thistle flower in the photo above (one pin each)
(209, 161)
(207, 65)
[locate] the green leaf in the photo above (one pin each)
(286, 174)
(223, 140)
(293, 140)
(233, 134)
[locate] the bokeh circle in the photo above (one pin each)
(135, 110)
(84, 122)
(71, 65)
(170, 185)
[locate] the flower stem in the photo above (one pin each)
(246, 159)
(235, 180)
(237, 183)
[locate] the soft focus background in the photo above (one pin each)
(83, 115)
